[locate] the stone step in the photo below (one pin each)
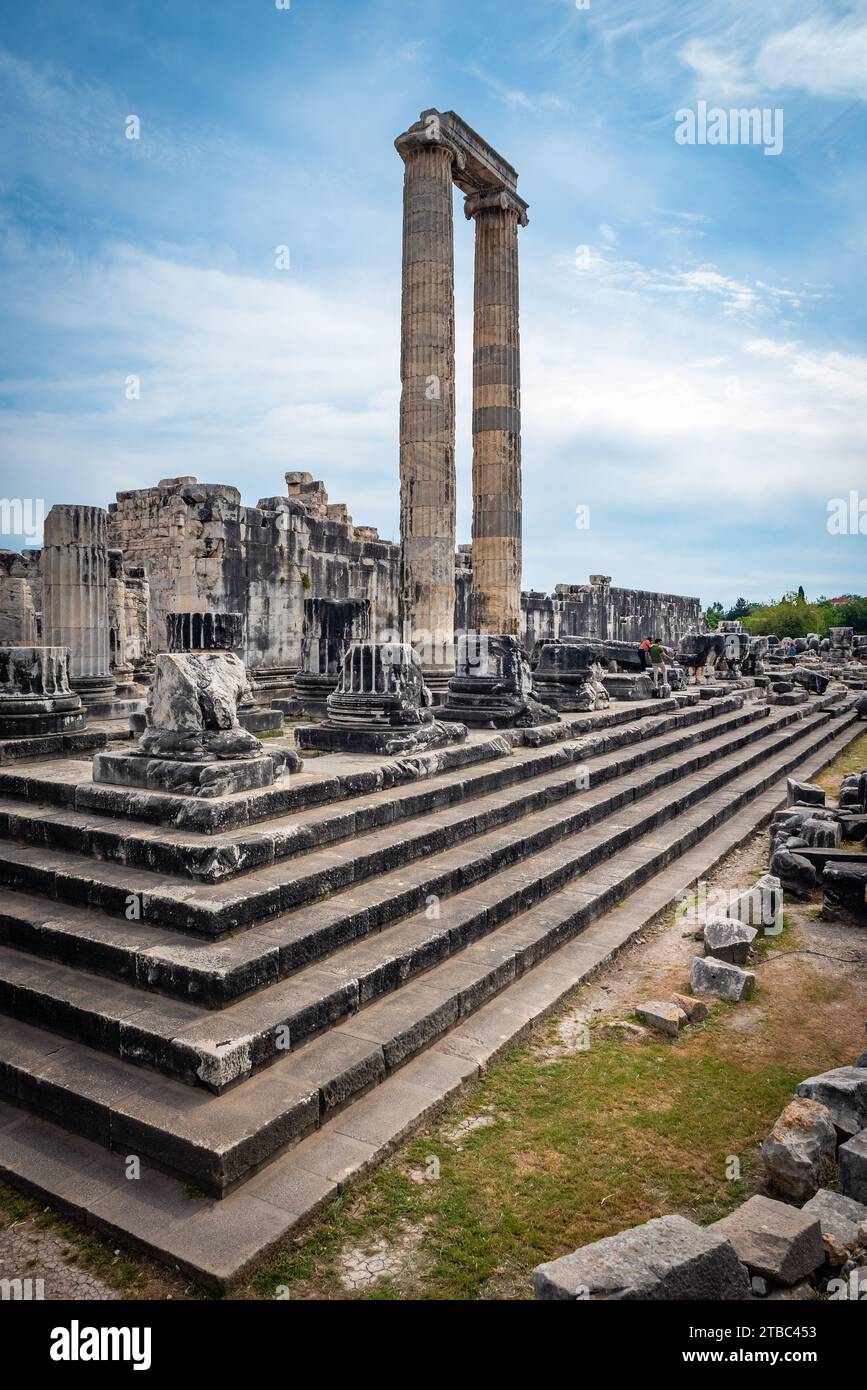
(216, 1241)
(193, 1043)
(219, 1140)
(68, 782)
(215, 910)
(214, 858)
(147, 954)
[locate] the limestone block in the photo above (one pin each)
(773, 1239)
(667, 1259)
(720, 979)
(663, 1016)
(728, 939)
(853, 1167)
(844, 1091)
(839, 1216)
(800, 1151)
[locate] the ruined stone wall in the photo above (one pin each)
(202, 550)
(188, 536)
(189, 546)
(598, 610)
(20, 597)
(303, 546)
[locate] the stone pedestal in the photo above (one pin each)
(568, 675)
(35, 695)
(330, 628)
(75, 597)
(381, 705)
(427, 402)
(194, 744)
(493, 686)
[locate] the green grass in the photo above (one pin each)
(852, 759)
(581, 1147)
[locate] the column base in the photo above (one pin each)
(381, 705)
(493, 687)
(94, 690)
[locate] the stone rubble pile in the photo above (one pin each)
(814, 846)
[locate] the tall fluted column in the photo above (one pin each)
(427, 403)
(496, 414)
(75, 595)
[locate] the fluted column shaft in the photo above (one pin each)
(427, 403)
(496, 415)
(75, 588)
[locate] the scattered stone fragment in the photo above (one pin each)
(720, 979)
(696, 1010)
(852, 1157)
(796, 873)
(668, 1258)
(844, 1091)
(760, 906)
(800, 1151)
(759, 1286)
(804, 793)
(726, 939)
(665, 1018)
(839, 1216)
(773, 1239)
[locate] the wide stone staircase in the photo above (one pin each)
(255, 998)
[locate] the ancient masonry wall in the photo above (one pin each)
(203, 550)
(20, 597)
(189, 545)
(598, 610)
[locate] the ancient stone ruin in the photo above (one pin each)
(300, 826)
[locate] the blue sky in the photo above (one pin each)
(693, 330)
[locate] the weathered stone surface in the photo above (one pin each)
(427, 401)
(852, 1157)
(668, 1258)
(844, 890)
(799, 1153)
(381, 705)
(773, 1239)
(839, 1216)
(720, 979)
(193, 710)
(804, 793)
(663, 1016)
(493, 686)
(204, 631)
(796, 874)
(844, 1091)
(695, 1009)
(760, 906)
(728, 940)
(35, 696)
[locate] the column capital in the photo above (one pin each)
(503, 199)
(426, 137)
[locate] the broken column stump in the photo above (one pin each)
(381, 705)
(35, 695)
(493, 686)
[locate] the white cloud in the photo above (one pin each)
(817, 56)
